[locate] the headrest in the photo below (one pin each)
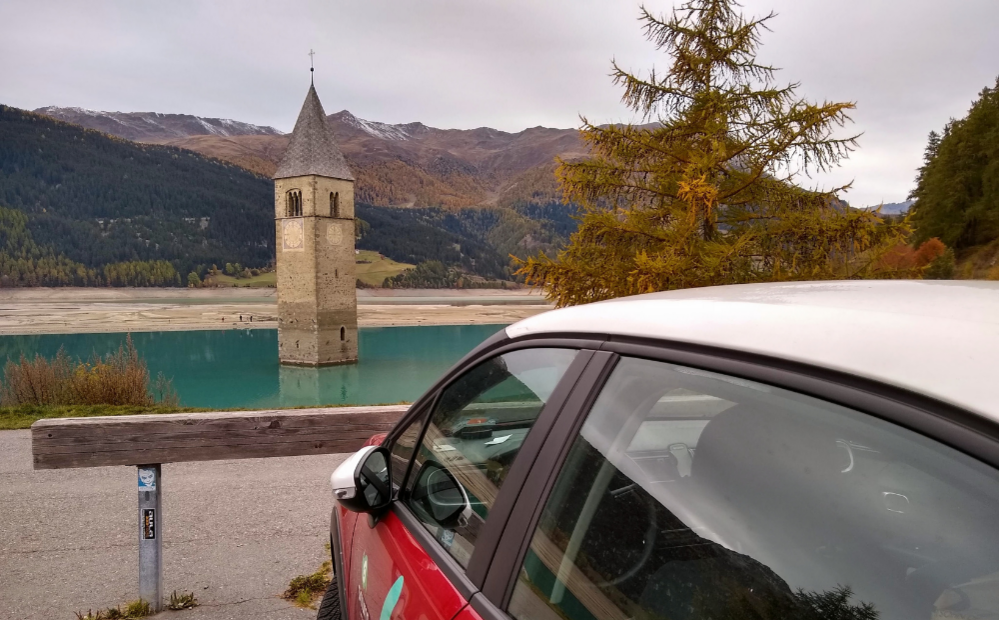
(767, 453)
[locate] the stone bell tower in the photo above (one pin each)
(314, 212)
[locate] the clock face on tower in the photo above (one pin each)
(293, 234)
(334, 235)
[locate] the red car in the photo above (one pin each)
(819, 450)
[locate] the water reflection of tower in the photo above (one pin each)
(305, 386)
(299, 385)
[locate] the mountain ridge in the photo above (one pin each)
(150, 126)
(114, 207)
(406, 164)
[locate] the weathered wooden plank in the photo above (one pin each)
(50, 435)
(171, 438)
(221, 419)
(178, 455)
(213, 439)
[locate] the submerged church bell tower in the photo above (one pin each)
(314, 213)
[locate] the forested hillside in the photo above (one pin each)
(100, 200)
(25, 263)
(476, 240)
(99, 210)
(957, 188)
(403, 165)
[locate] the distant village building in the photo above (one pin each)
(314, 211)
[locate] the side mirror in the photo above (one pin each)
(439, 494)
(361, 483)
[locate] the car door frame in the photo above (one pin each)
(585, 368)
(970, 433)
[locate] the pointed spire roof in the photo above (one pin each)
(313, 149)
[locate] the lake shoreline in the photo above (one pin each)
(239, 369)
(26, 311)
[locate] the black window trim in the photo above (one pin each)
(499, 514)
(967, 432)
(469, 580)
(512, 547)
(412, 415)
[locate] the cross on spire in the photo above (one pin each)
(312, 65)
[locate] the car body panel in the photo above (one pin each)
(392, 576)
(468, 613)
(938, 338)
(346, 520)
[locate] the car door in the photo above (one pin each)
(408, 563)
(688, 494)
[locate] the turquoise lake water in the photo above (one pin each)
(239, 368)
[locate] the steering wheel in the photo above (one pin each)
(651, 533)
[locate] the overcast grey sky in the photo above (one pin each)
(509, 64)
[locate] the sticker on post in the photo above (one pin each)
(147, 479)
(149, 523)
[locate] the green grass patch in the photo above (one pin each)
(373, 268)
(305, 590)
(184, 600)
(23, 416)
(135, 609)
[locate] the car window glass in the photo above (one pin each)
(690, 495)
(474, 434)
(403, 449)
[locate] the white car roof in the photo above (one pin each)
(938, 338)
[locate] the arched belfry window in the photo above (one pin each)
(343, 334)
(293, 203)
(335, 204)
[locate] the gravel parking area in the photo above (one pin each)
(235, 533)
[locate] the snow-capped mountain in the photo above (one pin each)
(408, 164)
(153, 126)
(385, 131)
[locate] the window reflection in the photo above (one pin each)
(477, 428)
(691, 495)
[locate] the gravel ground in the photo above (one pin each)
(235, 533)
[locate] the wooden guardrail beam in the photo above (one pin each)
(176, 437)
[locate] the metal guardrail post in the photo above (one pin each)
(151, 536)
(60, 443)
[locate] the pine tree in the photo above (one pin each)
(707, 194)
(956, 194)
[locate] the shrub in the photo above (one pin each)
(120, 378)
(929, 251)
(903, 257)
(942, 267)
